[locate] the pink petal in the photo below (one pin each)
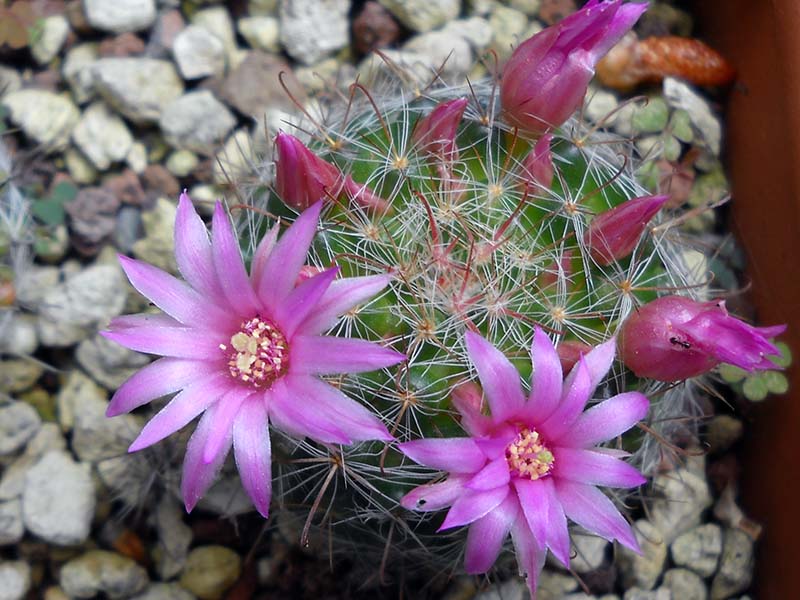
(606, 420)
(284, 262)
(184, 407)
(572, 402)
(198, 475)
(172, 295)
(297, 415)
(159, 378)
(261, 255)
(193, 252)
(471, 506)
(455, 455)
(178, 342)
(342, 296)
(592, 510)
(544, 515)
(302, 301)
(251, 447)
(467, 398)
(530, 553)
(499, 378)
(229, 266)
(598, 362)
(142, 320)
(433, 496)
(226, 411)
(350, 417)
(329, 355)
(594, 468)
(494, 474)
(546, 379)
(487, 534)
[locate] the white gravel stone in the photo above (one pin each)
(10, 81)
(196, 121)
(107, 362)
(164, 591)
(198, 53)
(19, 422)
(102, 136)
(11, 527)
(217, 21)
(53, 34)
(77, 70)
(18, 334)
(47, 118)
(679, 94)
(643, 570)
(312, 29)
(115, 575)
(261, 32)
(699, 549)
(590, 553)
(681, 496)
(48, 438)
(423, 15)
(136, 158)
(58, 499)
(174, 538)
(182, 162)
(15, 580)
(232, 161)
(475, 30)
(735, 565)
(88, 298)
(508, 30)
(139, 88)
(80, 168)
(120, 16)
(685, 585)
(450, 52)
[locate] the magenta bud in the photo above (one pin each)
(674, 338)
(436, 133)
(545, 79)
(537, 170)
(301, 177)
(613, 235)
(570, 352)
(362, 195)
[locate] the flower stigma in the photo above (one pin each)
(528, 457)
(258, 353)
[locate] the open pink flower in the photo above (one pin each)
(244, 350)
(545, 79)
(533, 463)
(674, 338)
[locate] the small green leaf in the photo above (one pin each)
(785, 359)
(732, 374)
(652, 117)
(49, 211)
(777, 383)
(681, 126)
(755, 388)
(672, 148)
(64, 191)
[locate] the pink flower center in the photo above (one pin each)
(258, 353)
(528, 457)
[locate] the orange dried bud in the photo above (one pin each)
(633, 62)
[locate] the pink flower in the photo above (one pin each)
(537, 168)
(613, 235)
(533, 463)
(302, 178)
(546, 78)
(674, 338)
(436, 132)
(244, 350)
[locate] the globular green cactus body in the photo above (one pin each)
(473, 243)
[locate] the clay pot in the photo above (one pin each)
(762, 39)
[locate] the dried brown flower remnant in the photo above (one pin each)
(633, 62)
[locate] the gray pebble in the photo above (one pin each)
(19, 422)
(99, 571)
(736, 565)
(698, 549)
(685, 585)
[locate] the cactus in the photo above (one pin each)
(488, 219)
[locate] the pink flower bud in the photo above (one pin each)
(363, 196)
(674, 338)
(613, 235)
(436, 133)
(301, 177)
(570, 352)
(537, 169)
(545, 79)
